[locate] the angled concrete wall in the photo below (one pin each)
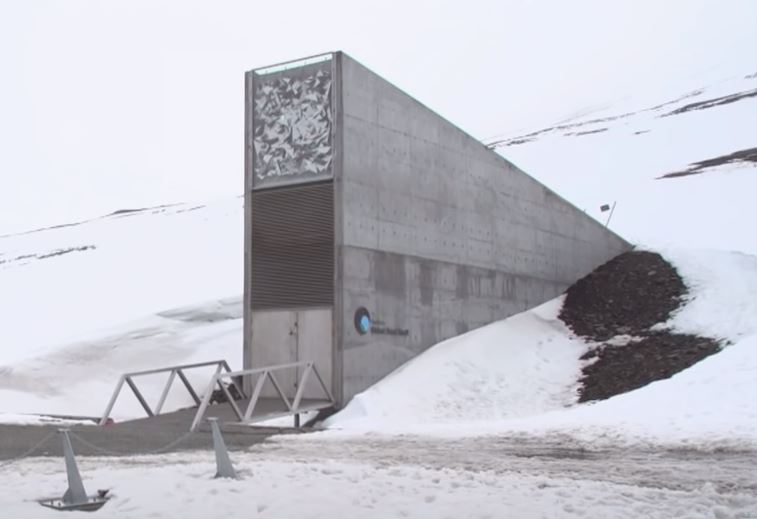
(437, 234)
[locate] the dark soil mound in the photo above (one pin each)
(628, 296)
(618, 369)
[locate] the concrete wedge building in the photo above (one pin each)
(375, 228)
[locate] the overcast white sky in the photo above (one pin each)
(119, 104)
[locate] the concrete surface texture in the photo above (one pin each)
(439, 234)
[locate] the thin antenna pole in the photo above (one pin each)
(611, 211)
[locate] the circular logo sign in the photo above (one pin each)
(362, 320)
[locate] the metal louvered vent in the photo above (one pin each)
(293, 246)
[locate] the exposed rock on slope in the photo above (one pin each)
(737, 157)
(626, 295)
(617, 306)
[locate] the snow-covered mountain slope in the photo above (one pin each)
(83, 303)
(63, 284)
(622, 154)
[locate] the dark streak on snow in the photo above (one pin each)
(533, 135)
(742, 156)
(710, 103)
(51, 254)
(515, 142)
(130, 212)
(569, 126)
(60, 252)
(118, 213)
(195, 208)
(124, 211)
(61, 226)
(589, 132)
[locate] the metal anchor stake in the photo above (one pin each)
(75, 497)
(224, 468)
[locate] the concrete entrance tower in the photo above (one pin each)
(374, 228)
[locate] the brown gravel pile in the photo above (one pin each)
(627, 296)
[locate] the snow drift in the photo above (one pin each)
(524, 365)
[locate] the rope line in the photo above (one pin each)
(94, 447)
(28, 452)
(109, 452)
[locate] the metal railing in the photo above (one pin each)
(128, 378)
(293, 406)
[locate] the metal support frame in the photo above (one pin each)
(267, 373)
(128, 378)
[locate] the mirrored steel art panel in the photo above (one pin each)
(292, 126)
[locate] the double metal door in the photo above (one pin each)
(285, 336)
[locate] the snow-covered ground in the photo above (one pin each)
(359, 480)
(36, 419)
